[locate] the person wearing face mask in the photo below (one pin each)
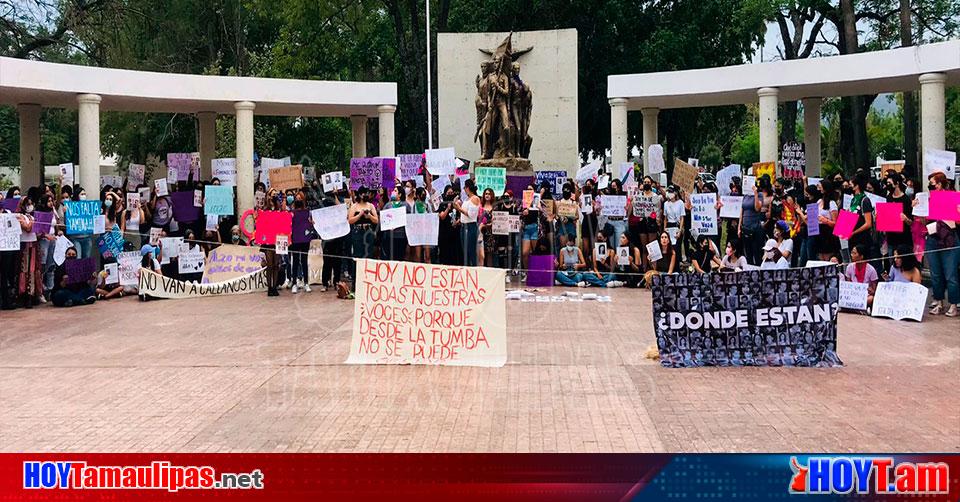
(943, 256)
(863, 206)
(393, 243)
(450, 248)
(363, 219)
(508, 246)
(30, 281)
(566, 225)
(589, 224)
(469, 210)
(674, 212)
(646, 214)
(570, 263)
(488, 202)
(772, 257)
(68, 293)
(895, 193)
(83, 242)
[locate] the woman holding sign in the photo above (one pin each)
(363, 219)
(942, 255)
(470, 232)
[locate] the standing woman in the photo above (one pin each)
(674, 212)
(363, 219)
(469, 210)
(271, 261)
(827, 244)
(30, 283)
(47, 242)
(751, 231)
(420, 254)
(943, 257)
(449, 247)
(530, 226)
(589, 225)
(645, 217)
(487, 204)
(130, 225)
(618, 223)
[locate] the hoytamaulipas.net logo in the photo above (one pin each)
(159, 475)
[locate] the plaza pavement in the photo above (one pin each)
(251, 373)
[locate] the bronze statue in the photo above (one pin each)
(504, 105)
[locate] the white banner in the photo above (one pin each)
(156, 285)
(415, 313)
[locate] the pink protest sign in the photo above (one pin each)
(268, 225)
(846, 222)
(944, 205)
(888, 217)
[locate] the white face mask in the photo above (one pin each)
(909, 191)
(671, 195)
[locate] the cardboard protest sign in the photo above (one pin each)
(943, 161)
(654, 252)
(793, 160)
(888, 217)
(613, 205)
(286, 178)
(494, 178)
(567, 208)
(160, 186)
(751, 318)
(217, 200)
(555, 179)
(224, 170)
(853, 295)
(769, 169)
(684, 175)
(441, 161)
(655, 164)
(110, 243)
(452, 316)
(725, 177)
(158, 286)
(423, 229)
(409, 166)
(944, 205)
(813, 219)
(230, 262)
(846, 223)
(184, 210)
(732, 206)
(703, 213)
(135, 174)
(9, 232)
(129, 266)
(80, 270)
(79, 216)
(393, 218)
(899, 300)
(331, 222)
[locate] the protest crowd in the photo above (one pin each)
(66, 245)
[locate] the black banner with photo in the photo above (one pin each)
(752, 318)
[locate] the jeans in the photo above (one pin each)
(753, 241)
(61, 297)
(470, 244)
(619, 228)
(943, 271)
(298, 262)
(47, 266)
(332, 250)
(84, 245)
(592, 279)
(569, 278)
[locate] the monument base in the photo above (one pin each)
(514, 165)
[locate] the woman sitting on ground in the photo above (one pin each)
(106, 290)
(905, 267)
(862, 272)
(68, 294)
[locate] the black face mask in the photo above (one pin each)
(646, 186)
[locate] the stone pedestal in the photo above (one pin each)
(514, 165)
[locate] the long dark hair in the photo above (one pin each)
(908, 260)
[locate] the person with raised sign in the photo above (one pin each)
(363, 219)
(943, 255)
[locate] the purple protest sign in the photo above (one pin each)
(518, 184)
(410, 165)
(10, 204)
(373, 173)
(184, 211)
(42, 222)
(301, 227)
(80, 270)
(813, 219)
(182, 162)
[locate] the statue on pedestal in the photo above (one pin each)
(504, 105)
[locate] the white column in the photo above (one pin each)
(768, 123)
(31, 172)
(932, 111)
(811, 135)
(359, 126)
(88, 120)
(649, 133)
(244, 112)
(385, 126)
(208, 142)
(618, 131)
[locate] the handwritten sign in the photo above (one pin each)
(703, 213)
(270, 224)
(422, 229)
(9, 232)
(156, 285)
(409, 166)
(229, 262)
(853, 295)
(451, 316)
(655, 159)
(732, 206)
(224, 170)
(588, 172)
(813, 219)
(684, 175)
(286, 178)
(613, 205)
(331, 222)
(899, 300)
(567, 208)
(129, 265)
(725, 178)
(372, 173)
(494, 178)
(393, 218)
(217, 200)
(79, 216)
(441, 161)
(793, 160)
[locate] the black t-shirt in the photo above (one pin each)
(904, 236)
(704, 258)
(866, 206)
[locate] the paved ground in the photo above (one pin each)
(247, 373)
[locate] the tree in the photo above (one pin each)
(800, 25)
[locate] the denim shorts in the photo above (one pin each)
(531, 232)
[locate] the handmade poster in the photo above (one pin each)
(190, 261)
(128, 267)
(769, 169)
(393, 218)
(59, 249)
(899, 300)
(813, 219)
(267, 225)
(923, 204)
(586, 204)
(217, 200)
(600, 251)
(725, 177)
(110, 243)
(373, 173)
(527, 199)
(300, 229)
(514, 221)
(9, 232)
(751, 318)
(588, 172)
(567, 208)
(603, 181)
(171, 175)
(80, 270)
(494, 178)
(133, 200)
(846, 223)
(315, 262)
(613, 205)
(286, 178)
(462, 167)
(66, 172)
(703, 213)
(112, 273)
(555, 179)
(156, 285)
(655, 159)
(501, 223)
(623, 255)
(332, 181)
(654, 252)
(549, 209)
(943, 161)
(440, 161)
(213, 223)
(224, 170)
(184, 210)
(99, 224)
(79, 215)
(331, 222)
(161, 187)
(944, 205)
(422, 229)
(155, 235)
(416, 313)
(732, 206)
(684, 175)
(230, 261)
(888, 217)
(111, 180)
(853, 295)
(185, 164)
(749, 185)
(135, 174)
(409, 165)
(535, 203)
(42, 222)
(282, 244)
(793, 160)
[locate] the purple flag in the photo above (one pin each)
(301, 227)
(80, 270)
(183, 209)
(42, 222)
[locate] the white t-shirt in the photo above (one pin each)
(786, 247)
(825, 212)
(779, 265)
(674, 210)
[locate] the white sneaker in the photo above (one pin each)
(295, 289)
(582, 284)
(306, 288)
(936, 309)
(614, 284)
(286, 284)
(952, 311)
